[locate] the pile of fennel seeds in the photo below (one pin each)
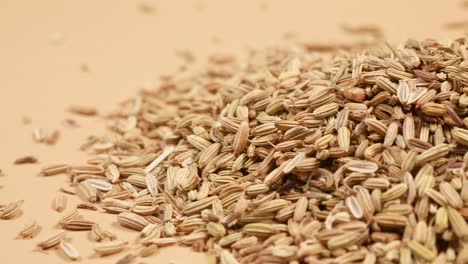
(292, 157)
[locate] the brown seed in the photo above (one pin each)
(77, 225)
(25, 160)
(52, 138)
(355, 94)
(87, 206)
(83, 110)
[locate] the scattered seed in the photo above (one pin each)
(52, 241)
(111, 247)
(72, 123)
(69, 250)
(29, 230)
(55, 169)
(25, 160)
(60, 203)
(11, 210)
(83, 110)
(52, 138)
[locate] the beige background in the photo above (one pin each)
(44, 43)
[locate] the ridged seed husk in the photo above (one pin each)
(77, 225)
(29, 230)
(111, 247)
(55, 169)
(11, 210)
(60, 203)
(132, 221)
(52, 241)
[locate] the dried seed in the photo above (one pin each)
(99, 184)
(391, 220)
(132, 221)
(52, 138)
(55, 169)
(345, 240)
(74, 214)
(326, 110)
(67, 190)
(217, 230)
(163, 242)
(29, 230)
(88, 192)
(241, 137)
(127, 259)
(98, 234)
(77, 225)
(293, 163)
(25, 160)
(433, 153)
(82, 110)
(355, 94)
(69, 250)
(166, 152)
(451, 195)
(38, 135)
(354, 207)
(460, 136)
(11, 210)
(391, 135)
(52, 241)
(227, 258)
(148, 251)
(327, 176)
(421, 251)
(60, 203)
(344, 138)
(395, 192)
(111, 247)
(152, 184)
(362, 166)
(458, 224)
(300, 209)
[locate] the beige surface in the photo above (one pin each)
(44, 43)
